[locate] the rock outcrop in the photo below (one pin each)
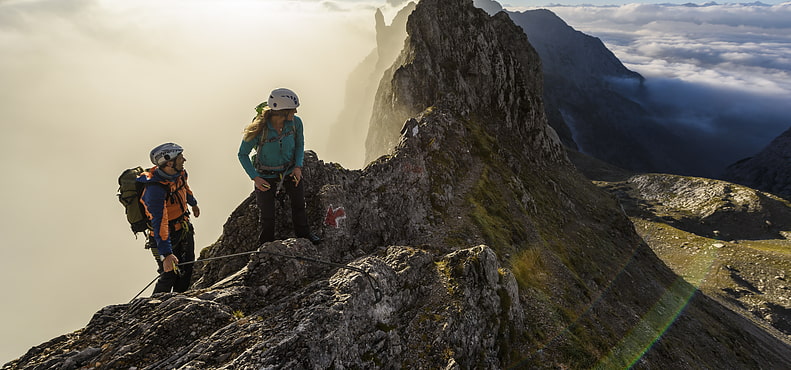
(472, 242)
(498, 75)
(706, 207)
(730, 240)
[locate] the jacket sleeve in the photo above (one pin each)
(190, 197)
(154, 198)
(244, 157)
(299, 144)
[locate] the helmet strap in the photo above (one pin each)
(169, 167)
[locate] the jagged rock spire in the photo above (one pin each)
(459, 57)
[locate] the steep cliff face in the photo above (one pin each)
(473, 243)
(590, 97)
(447, 59)
(769, 170)
(347, 137)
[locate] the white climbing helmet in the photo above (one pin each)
(280, 99)
(164, 153)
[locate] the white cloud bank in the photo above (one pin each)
(743, 46)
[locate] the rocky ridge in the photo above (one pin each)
(591, 99)
(482, 247)
(454, 65)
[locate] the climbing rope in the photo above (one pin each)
(371, 279)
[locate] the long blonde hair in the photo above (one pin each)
(254, 128)
(259, 122)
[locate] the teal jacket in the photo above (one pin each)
(276, 154)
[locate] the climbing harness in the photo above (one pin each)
(371, 280)
(265, 139)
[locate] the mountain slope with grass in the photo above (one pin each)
(473, 242)
(728, 240)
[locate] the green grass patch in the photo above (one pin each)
(781, 246)
(499, 222)
(528, 269)
(444, 270)
(653, 324)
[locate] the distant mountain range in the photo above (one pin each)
(593, 102)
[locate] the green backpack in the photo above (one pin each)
(129, 192)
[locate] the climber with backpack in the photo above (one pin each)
(166, 199)
(276, 135)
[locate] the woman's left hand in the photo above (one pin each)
(297, 175)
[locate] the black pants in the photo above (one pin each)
(184, 249)
(266, 204)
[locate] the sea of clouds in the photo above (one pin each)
(721, 72)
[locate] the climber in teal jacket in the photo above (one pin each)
(276, 136)
(282, 152)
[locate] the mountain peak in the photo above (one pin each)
(474, 64)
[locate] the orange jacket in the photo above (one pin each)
(165, 199)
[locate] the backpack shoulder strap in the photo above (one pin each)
(262, 139)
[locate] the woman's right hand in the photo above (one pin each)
(261, 184)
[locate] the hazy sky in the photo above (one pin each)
(88, 87)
